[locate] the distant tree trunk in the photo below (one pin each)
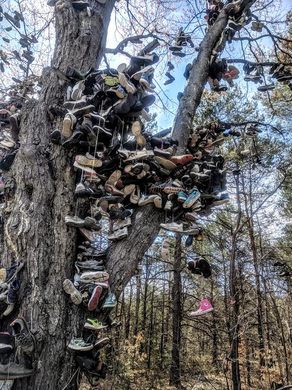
(137, 304)
(214, 331)
(151, 334)
(174, 377)
(129, 314)
(234, 304)
(162, 330)
(250, 223)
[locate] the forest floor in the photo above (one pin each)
(212, 383)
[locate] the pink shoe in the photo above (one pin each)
(205, 307)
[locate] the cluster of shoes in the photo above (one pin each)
(91, 289)
(213, 8)
(277, 71)
(18, 337)
(219, 70)
(9, 122)
(9, 287)
(182, 40)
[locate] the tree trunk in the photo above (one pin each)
(174, 377)
(35, 231)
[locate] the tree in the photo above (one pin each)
(44, 191)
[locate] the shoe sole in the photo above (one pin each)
(70, 289)
(95, 278)
(94, 299)
(94, 163)
(202, 313)
(67, 128)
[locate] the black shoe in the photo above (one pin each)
(80, 5)
(55, 137)
(187, 71)
(170, 78)
(7, 161)
(74, 139)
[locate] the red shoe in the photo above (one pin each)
(182, 160)
(94, 299)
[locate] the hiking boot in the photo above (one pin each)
(13, 371)
(94, 325)
(204, 308)
(78, 344)
(94, 277)
(70, 289)
(94, 299)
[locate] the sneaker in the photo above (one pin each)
(205, 307)
(192, 198)
(165, 163)
(125, 83)
(144, 200)
(170, 78)
(13, 371)
(182, 197)
(78, 344)
(23, 336)
(68, 124)
(6, 342)
(70, 289)
(74, 221)
(101, 343)
(165, 249)
(84, 168)
(94, 277)
(266, 87)
(119, 234)
(88, 161)
(94, 299)
(110, 301)
(94, 324)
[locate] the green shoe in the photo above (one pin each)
(94, 324)
(111, 81)
(110, 301)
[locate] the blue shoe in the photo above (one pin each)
(182, 196)
(192, 198)
(110, 301)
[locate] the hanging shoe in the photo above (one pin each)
(94, 325)
(13, 371)
(170, 78)
(23, 336)
(71, 290)
(266, 87)
(78, 344)
(110, 301)
(204, 308)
